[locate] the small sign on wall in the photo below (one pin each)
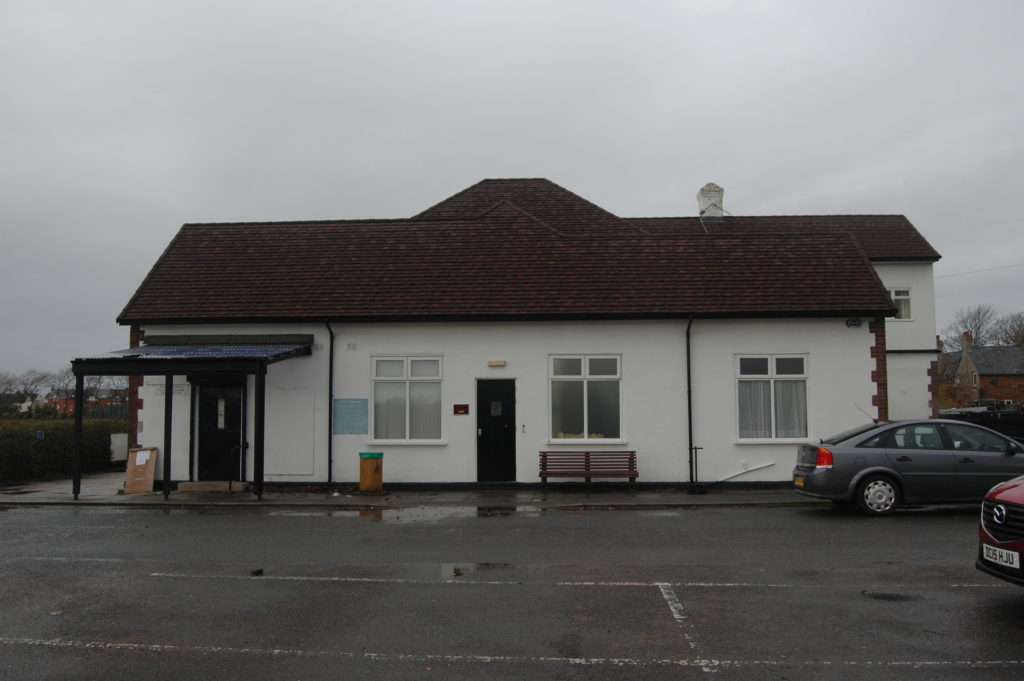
(351, 416)
(461, 409)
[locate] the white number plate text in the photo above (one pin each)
(1000, 556)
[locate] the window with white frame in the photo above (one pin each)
(772, 394)
(901, 296)
(585, 397)
(407, 398)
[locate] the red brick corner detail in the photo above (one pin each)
(136, 336)
(880, 376)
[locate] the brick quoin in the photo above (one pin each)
(136, 336)
(933, 388)
(880, 376)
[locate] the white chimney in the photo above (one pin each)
(709, 200)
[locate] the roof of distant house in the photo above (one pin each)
(524, 249)
(998, 360)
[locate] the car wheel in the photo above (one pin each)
(877, 495)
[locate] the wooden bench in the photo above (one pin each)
(604, 464)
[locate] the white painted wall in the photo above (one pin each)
(839, 390)
(653, 394)
(296, 414)
(917, 333)
(909, 381)
(909, 394)
(653, 410)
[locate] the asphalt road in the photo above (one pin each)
(466, 593)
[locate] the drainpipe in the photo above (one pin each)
(695, 487)
(330, 405)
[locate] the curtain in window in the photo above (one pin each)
(755, 409)
(389, 411)
(425, 411)
(790, 409)
(903, 308)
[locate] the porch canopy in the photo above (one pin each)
(198, 357)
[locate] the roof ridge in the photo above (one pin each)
(519, 209)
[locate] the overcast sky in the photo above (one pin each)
(121, 120)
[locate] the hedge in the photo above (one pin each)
(24, 455)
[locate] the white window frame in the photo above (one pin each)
(772, 377)
(407, 379)
(584, 377)
(905, 293)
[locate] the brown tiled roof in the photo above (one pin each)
(542, 199)
(492, 253)
(883, 237)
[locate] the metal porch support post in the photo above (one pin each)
(259, 421)
(76, 485)
(168, 427)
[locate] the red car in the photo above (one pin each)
(1001, 532)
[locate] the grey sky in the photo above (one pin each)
(121, 120)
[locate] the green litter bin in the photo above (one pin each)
(371, 465)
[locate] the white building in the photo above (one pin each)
(516, 317)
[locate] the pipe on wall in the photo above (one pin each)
(689, 404)
(330, 404)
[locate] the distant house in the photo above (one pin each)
(988, 373)
(63, 400)
(16, 402)
(516, 316)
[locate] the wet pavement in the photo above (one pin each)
(105, 489)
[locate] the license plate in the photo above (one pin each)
(798, 480)
(1000, 556)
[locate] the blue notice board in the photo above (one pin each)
(351, 416)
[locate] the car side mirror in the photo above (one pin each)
(1015, 448)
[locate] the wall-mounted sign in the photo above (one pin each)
(351, 416)
(461, 408)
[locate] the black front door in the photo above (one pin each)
(496, 430)
(219, 432)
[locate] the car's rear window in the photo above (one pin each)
(847, 434)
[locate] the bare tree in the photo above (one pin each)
(119, 388)
(979, 321)
(62, 389)
(8, 383)
(32, 383)
(1009, 330)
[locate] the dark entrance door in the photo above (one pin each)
(219, 432)
(496, 430)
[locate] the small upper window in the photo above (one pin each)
(901, 296)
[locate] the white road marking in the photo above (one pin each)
(490, 659)
(62, 559)
(469, 582)
(676, 608)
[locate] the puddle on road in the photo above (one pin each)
(416, 514)
(892, 597)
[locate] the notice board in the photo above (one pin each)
(141, 467)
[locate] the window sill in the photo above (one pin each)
(776, 441)
(399, 443)
(588, 443)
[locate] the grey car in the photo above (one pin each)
(880, 466)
